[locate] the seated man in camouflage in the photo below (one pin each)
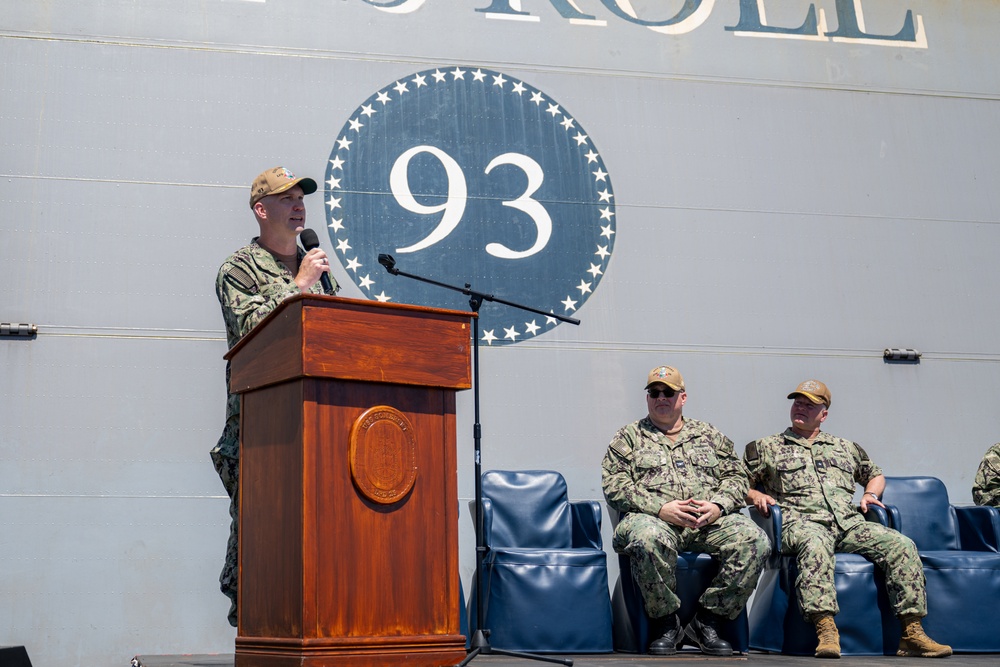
(812, 475)
(986, 488)
(680, 486)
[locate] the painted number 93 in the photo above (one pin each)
(454, 205)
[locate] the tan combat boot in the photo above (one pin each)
(829, 638)
(916, 644)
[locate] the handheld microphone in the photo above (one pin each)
(310, 241)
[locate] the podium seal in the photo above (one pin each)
(383, 454)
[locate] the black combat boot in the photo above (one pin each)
(667, 644)
(704, 631)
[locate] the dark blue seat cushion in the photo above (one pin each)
(545, 571)
(958, 549)
(866, 628)
(866, 623)
(551, 557)
(963, 588)
(694, 573)
(548, 604)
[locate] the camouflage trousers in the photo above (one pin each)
(228, 468)
(891, 551)
(652, 546)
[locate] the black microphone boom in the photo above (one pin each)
(479, 642)
(310, 241)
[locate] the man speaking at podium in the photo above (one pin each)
(251, 283)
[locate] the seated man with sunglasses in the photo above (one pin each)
(680, 487)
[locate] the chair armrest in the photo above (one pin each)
(895, 520)
(978, 528)
(586, 524)
(487, 520)
(877, 514)
(614, 515)
(771, 525)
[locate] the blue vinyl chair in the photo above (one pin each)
(545, 570)
(866, 622)
(632, 632)
(960, 550)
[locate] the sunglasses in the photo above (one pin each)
(655, 393)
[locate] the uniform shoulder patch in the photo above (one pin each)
(621, 448)
(750, 453)
(862, 452)
(243, 279)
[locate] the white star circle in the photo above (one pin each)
(335, 193)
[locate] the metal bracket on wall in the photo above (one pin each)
(901, 355)
(9, 330)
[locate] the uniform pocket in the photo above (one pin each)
(841, 469)
(704, 457)
(791, 472)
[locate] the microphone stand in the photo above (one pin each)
(479, 642)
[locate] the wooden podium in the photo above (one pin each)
(348, 484)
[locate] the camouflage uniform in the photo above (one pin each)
(642, 471)
(251, 283)
(986, 489)
(814, 485)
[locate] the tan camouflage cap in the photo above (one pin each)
(274, 181)
(814, 390)
(667, 375)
